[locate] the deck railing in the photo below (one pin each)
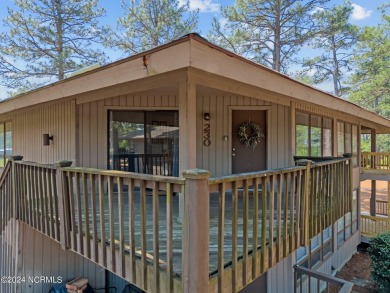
(135, 243)
(382, 207)
(280, 211)
(126, 222)
(37, 200)
(375, 161)
(322, 283)
(374, 225)
(6, 196)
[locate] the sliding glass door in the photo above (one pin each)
(144, 142)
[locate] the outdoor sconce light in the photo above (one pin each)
(206, 116)
(46, 139)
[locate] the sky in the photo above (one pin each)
(365, 13)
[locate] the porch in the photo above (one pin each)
(127, 222)
(375, 166)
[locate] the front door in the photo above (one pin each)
(245, 158)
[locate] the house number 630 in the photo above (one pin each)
(206, 134)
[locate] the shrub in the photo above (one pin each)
(380, 254)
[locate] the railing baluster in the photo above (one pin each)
(271, 261)
(103, 256)
(45, 209)
(245, 233)
(86, 216)
(131, 230)
(156, 241)
(143, 234)
(73, 239)
(95, 252)
(221, 235)
(80, 239)
(111, 221)
(50, 197)
(255, 219)
(279, 218)
(292, 212)
(234, 236)
(169, 210)
(264, 248)
(121, 263)
(285, 214)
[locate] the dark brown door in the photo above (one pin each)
(247, 159)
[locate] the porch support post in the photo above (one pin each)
(187, 131)
(15, 185)
(196, 222)
(292, 121)
(373, 182)
(63, 203)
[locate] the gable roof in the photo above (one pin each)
(190, 51)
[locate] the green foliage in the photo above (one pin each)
(270, 32)
(150, 23)
(46, 39)
(335, 39)
(380, 254)
(370, 84)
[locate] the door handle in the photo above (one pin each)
(233, 154)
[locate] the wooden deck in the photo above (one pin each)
(234, 227)
(177, 227)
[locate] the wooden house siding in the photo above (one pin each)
(57, 119)
(217, 156)
(36, 255)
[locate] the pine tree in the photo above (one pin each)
(370, 83)
(335, 40)
(270, 32)
(45, 40)
(150, 23)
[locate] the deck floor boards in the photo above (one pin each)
(177, 227)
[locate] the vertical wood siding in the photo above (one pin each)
(216, 157)
(55, 119)
(40, 256)
(92, 123)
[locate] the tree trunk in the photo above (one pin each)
(335, 70)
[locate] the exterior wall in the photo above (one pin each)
(40, 256)
(284, 269)
(92, 123)
(55, 119)
(217, 156)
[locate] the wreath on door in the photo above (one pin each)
(250, 134)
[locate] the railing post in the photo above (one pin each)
(306, 197)
(196, 219)
(63, 203)
(350, 180)
(15, 195)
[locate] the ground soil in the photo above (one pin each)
(358, 271)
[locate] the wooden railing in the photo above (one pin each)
(322, 283)
(374, 225)
(382, 207)
(125, 221)
(280, 211)
(114, 218)
(37, 200)
(375, 161)
(6, 196)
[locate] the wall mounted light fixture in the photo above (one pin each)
(206, 116)
(46, 139)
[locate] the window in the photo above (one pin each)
(5, 142)
(313, 135)
(347, 140)
(144, 142)
(319, 248)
